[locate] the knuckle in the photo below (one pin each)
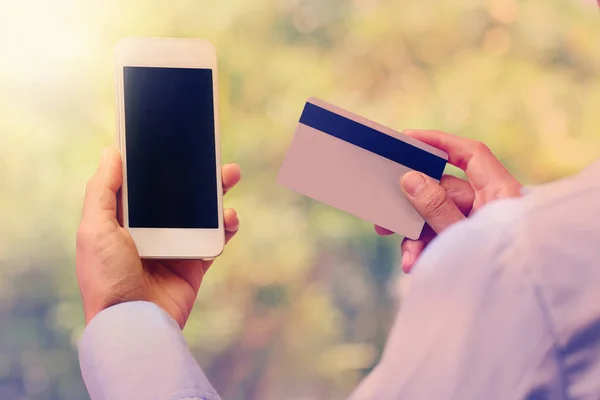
(482, 148)
(477, 149)
(436, 201)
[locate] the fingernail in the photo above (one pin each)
(233, 228)
(105, 156)
(413, 183)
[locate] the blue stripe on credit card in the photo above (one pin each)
(372, 140)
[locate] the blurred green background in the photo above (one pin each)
(300, 304)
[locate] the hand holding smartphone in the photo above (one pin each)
(168, 134)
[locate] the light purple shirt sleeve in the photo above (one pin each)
(135, 351)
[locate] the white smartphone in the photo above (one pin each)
(168, 134)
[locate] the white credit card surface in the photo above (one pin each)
(354, 164)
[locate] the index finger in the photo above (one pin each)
(473, 157)
(231, 175)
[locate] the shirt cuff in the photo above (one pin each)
(136, 351)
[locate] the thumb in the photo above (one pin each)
(101, 191)
(430, 200)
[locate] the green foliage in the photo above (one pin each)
(299, 305)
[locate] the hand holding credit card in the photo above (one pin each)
(354, 164)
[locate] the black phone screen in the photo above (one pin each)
(170, 148)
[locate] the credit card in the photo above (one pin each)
(355, 165)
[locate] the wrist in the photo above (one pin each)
(95, 307)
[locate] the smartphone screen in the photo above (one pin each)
(170, 148)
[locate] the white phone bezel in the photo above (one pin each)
(172, 53)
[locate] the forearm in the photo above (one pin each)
(136, 351)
